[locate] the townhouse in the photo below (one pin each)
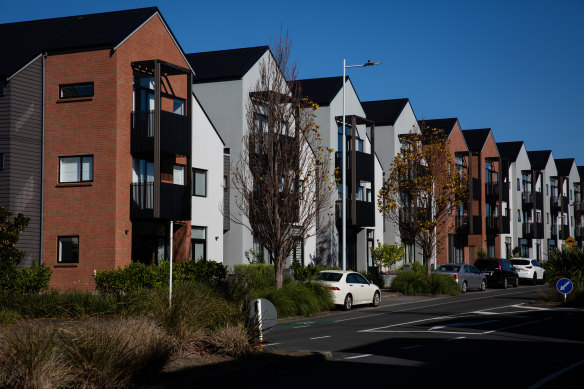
(364, 172)
(567, 179)
(393, 119)
(579, 208)
(96, 142)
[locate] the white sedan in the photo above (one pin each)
(350, 288)
(528, 269)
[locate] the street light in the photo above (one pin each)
(344, 156)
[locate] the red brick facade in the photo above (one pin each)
(99, 211)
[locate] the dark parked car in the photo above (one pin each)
(499, 272)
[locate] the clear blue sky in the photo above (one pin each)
(514, 66)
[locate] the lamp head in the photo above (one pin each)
(369, 63)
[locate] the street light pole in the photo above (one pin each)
(344, 164)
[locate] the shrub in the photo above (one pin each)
(565, 263)
(305, 273)
(257, 276)
(374, 276)
(8, 316)
(443, 284)
(33, 279)
(410, 283)
(138, 275)
(232, 340)
(298, 298)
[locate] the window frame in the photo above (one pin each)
(199, 240)
(194, 188)
(60, 253)
(81, 180)
(77, 84)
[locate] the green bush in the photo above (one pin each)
(565, 263)
(305, 273)
(374, 277)
(138, 275)
(298, 298)
(443, 284)
(257, 276)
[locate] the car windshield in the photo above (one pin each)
(520, 262)
(324, 276)
(449, 268)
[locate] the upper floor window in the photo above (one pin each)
(518, 184)
(178, 174)
(178, 106)
(76, 169)
(199, 182)
(70, 91)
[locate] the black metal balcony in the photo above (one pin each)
(492, 191)
(477, 226)
(527, 199)
(175, 133)
(555, 202)
(492, 225)
(528, 230)
(476, 189)
(174, 201)
(505, 192)
(365, 213)
(564, 232)
(554, 230)
(364, 164)
(505, 225)
(461, 223)
(579, 233)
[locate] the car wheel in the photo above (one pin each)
(348, 302)
(376, 299)
(505, 285)
(516, 284)
(483, 285)
(534, 281)
(463, 287)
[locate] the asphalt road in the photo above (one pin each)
(496, 338)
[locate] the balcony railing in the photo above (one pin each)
(174, 201)
(492, 224)
(365, 213)
(554, 230)
(461, 223)
(555, 201)
(564, 231)
(492, 189)
(528, 229)
(175, 134)
(527, 198)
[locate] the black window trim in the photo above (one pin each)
(1, 161)
(194, 181)
(59, 254)
(61, 86)
(80, 161)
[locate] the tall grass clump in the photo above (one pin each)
(410, 283)
(443, 284)
(30, 358)
(257, 276)
(565, 263)
(116, 353)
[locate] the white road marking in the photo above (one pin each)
(271, 344)
(359, 356)
(360, 317)
(556, 374)
(517, 325)
(460, 337)
(406, 323)
(531, 307)
(321, 337)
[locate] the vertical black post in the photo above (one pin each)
(157, 103)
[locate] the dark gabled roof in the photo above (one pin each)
(384, 112)
(509, 150)
(446, 124)
(475, 139)
(321, 91)
(224, 64)
(564, 165)
(23, 41)
(539, 158)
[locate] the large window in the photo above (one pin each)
(199, 182)
(199, 243)
(76, 169)
(68, 249)
(71, 91)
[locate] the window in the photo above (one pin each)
(71, 91)
(518, 184)
(548, 218)
(518, 215)
(199, 243)
(538, 218)
(199, 182)
(76, 169)
(178, 174)
(547, 189)
(178, 106)
(1, 160)
(68, 249)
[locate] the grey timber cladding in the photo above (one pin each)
(21, 143)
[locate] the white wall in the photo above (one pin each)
(207, 152)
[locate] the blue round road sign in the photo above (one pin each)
(564, 285)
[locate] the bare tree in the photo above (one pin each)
(283, 179)
(423, 188)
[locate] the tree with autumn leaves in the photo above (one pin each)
(423, 189)
(283, 180)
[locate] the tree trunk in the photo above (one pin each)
(278, 271)
(428, 262)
